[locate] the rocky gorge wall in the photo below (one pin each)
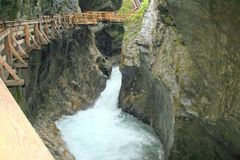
(64, 77)
(190, 50)
(27, 9)
(180, 67)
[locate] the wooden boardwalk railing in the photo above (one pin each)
(18, 38)
(18, 140)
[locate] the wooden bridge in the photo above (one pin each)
(18, 38)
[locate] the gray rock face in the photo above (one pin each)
(58, 6)
(149, 100)
(21, 9)
(209, 30)
(192, 48)
(143, 92)
(109, 39)
(64, 78)
(103, 5)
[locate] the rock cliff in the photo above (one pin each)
(103, 5)
(27, 9)
(189, 49)
(180, 66)
(64, 77)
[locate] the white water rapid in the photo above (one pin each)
(104, 132)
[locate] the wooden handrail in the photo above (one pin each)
(18, 140)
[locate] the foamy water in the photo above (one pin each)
(104, 132)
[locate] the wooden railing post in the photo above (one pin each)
(27, 36)
(7, 44)
(36, 33)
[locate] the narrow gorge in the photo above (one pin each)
(162, 84)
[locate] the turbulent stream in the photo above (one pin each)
(104, 132)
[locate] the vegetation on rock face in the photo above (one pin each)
(133, 24)
(27, 9)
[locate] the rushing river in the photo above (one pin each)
(104, 132)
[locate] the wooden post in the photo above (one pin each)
(7, 45)
(36, 45)
(36, 33)
(46, 28)
(27, 36)
(42, 33)
(19, 46)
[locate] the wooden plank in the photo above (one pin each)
(20, 65)
(19, 141)
(21, 41)
(20, 23)
(14, 83)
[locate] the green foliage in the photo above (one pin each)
(9, 9)
(126, 7)
(133, 24)
(140, 12)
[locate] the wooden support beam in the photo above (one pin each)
(20, 65)
(43, 34)
(35, 44)
(18, 45)
(51, 34)
(38, 36)
(46, 29)
(7, 45)
(16, 54)
(27, 36)
(56, 28)
(14, 83)
(8, 68)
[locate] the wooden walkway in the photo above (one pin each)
(18, 140)
(18, 38)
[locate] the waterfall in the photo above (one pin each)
(104, 132)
